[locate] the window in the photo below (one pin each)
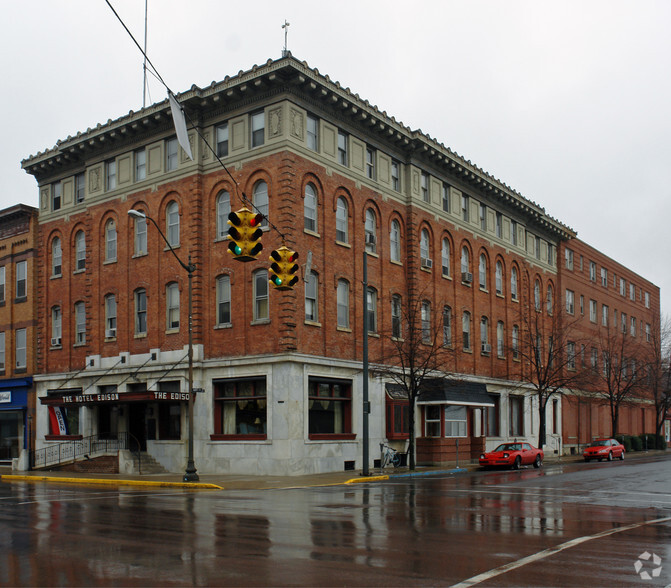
(330, 407)
(342, 224)
(56, 326)
(424, 249)
(647, 299)
(396, 316)
(455, 421)
(604, 277)
(240, 407)
(342, 296)
(499, 278)
(537, 247)
(592, 310)
(313, 132)
(56, 191)
(513, 283)
(222, 140)
(632, 327)
(424, 188)
(632, 292)
(516, 420)
(432, 417)
(223, 300)
(398, 416)
(261, 302)
(552, 254)
(80, 323)
(570, 300)
(110, 241)
(648, 333)
(582, 304)
(370, 162)
(2, 351)
(396, 175)
(21, 349)
(311, 289)
(260, 200)
(482, 271)
(604, 315)
(483, 217)
(56, 257)
(466, 330)
(464, 208)
(537, 297)
(172, 223)
(516, 342)
(2, 284)
(484, 335)
(140, 312)
(492, 418)
(447, 326)
(623, 322)
(172, 306)
(570, 355)
(425, 315)
(446, 197)
(80, 188)
(258, 128)
(513, 232)
(21, 280)
(110, 316)
(500, 339)
(568, 255)
(395, 241)
(140, 165)
(140, 235)
(445, 257)
(110, 175)
(623, 287)
(310, 208)
(371, 308)
(171, 160)
(343, 140)
(499, 225)
(223, 210)
(592, 271)
(550, 300)
(80, 251)
(465, 262)
(370, 230)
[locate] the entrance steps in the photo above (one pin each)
(139, 464)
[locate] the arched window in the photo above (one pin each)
(424, 248)
(445, 257)
(465, 263)
(110, 241)
(261, 301)
(140, 234)
(110, 316)
(426, 321)
(500, 339)
(447, 326)
(513, 283)
(56, 326)
(516, 342)
(550, 299)
(223, 210)
(80, 323)
(482, 271)
(395, 241)
(172, 223)
(141, 312)
(537, 296)
(311, 298)
(80, 251)
(370, 229)
(310, 208)
(499, 278)
(466, 330)
(224, 300)
(396, 311)
(342, 221)
(371, 297)
(172, 305)
(260, 199)
(484, 334)
(343, 304)
(56, 257)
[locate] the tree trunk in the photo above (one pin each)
(542, 425)
(411, 434)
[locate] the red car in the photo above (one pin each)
(604, 449)
(513, 455)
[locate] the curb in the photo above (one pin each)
(110, 482)
(363, 480)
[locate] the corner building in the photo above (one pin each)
(279, 374)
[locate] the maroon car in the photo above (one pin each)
(513, 455)
(604, 449)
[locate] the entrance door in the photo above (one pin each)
(137, 425)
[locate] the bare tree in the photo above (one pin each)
(414, 352)
(658, 370)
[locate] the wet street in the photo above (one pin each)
(564, 525)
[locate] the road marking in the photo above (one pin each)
(513, 565)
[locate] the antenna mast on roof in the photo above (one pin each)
(285, 26)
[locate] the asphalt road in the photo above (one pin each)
(564, 525)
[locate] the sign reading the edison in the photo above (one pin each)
(116, 397)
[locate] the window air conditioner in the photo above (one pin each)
(466, 277)
(486, 348)
(427, 263)
(110, 333)
(55, 341)
(370, 239)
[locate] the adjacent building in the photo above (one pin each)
(277, 375)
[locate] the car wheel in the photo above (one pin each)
(610, 456)
(538, 462)
(621, 456)
(518, 463)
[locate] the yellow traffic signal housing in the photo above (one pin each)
(283, 268)
(244, 234)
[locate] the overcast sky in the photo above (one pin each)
(568, 102)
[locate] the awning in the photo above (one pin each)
(457, 392)
(78, 398)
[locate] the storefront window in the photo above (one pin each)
(330, 404)
(240, 407)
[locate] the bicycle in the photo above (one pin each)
(389, 456)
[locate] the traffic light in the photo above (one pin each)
(283, 268)
(244, 234)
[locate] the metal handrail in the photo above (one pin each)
(72, 450)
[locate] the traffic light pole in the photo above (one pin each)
(366, 404)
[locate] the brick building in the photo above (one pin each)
(280, 373)
(18, 319)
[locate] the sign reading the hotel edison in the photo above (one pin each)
(116, 397)
(5, 397)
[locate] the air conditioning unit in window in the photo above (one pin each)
(486, 348)
(110, 333)
(55, 341)
(466, 277)
(370, 239)
(427, 263)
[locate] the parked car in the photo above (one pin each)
(604, 449)
(513, 455)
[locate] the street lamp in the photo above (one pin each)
(190, 474)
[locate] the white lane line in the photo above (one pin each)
(513, 565)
